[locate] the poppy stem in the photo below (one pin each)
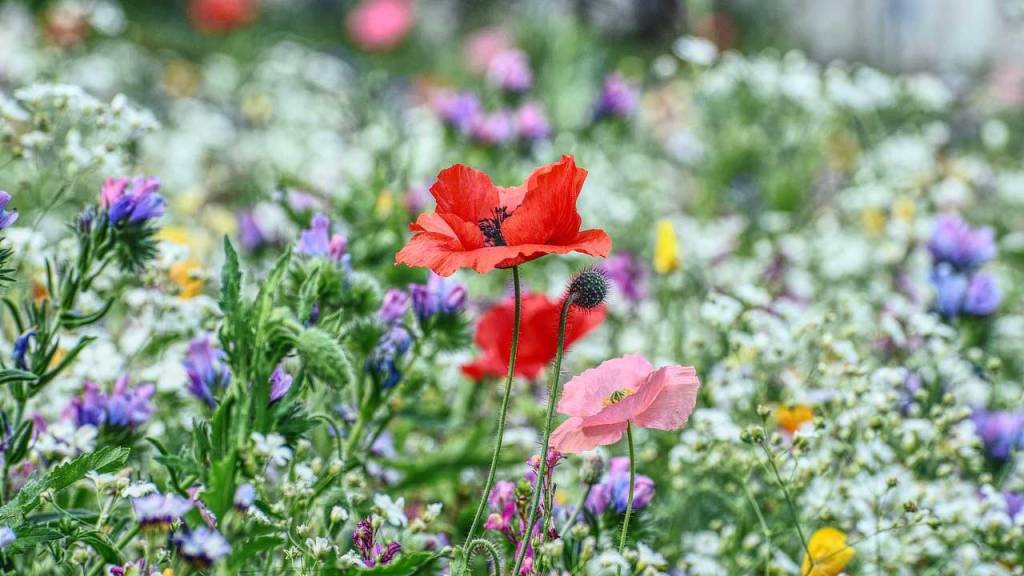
(543, 469)
(632, 483)
(501, 418)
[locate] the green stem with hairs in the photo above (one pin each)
(789, 502)
(502, 415)
(632, 483)
(538, 488)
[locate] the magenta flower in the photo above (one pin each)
(372, 552)
(627, 273)
(602, 401)
(510, 71)
(531, 122)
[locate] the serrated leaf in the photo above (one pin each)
(106, 459)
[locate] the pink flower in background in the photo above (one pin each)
(483, 46)
(602, 401)
(379, 25)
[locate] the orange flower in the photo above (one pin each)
(482, 226)
(791, 418)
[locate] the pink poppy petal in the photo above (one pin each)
(677, 399)
(644, 394)
(571, 436)
(584, 394)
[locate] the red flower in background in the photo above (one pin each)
(482, 226)
(378, 25)
(539, 339)
(222, 15)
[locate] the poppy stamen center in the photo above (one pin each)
(618, 396)
(491, 227)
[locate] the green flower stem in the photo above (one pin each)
(789, 502)
(504, 410)
(552, 399)
(632, 483)
(576, 511)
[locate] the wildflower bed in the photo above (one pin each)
(286, 312)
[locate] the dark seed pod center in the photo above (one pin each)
(588, 289)
(491, 227)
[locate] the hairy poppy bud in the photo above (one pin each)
(588, 289)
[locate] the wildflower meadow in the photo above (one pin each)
(594, 287)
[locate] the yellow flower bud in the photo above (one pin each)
(666, 248)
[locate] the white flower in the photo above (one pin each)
(392, 510)
(272, 447)
(319, 546)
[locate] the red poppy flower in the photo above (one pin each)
(538, 341)
(482, 226)
(221, 15)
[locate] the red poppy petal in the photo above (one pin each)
(438, 252)
(431, 222)
(548, 212)
(465, 192)
(469, 233)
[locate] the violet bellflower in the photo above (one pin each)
(383, 361)
(156, 512)
(955, 242)
(439, 295)
(280, 383)
(20, 349)
(1001, 432)
(202, 547)
(132, 200)
(7, 217)
(393, 307)
(206, 369)
(317, 240)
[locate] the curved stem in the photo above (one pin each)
(504, 410)
(632, 483)
(538, 489)
(491, 551)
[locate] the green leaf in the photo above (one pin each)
(102, 545)
(230, 284)
(13, 376)
(404, 565)
(31, 535)
(64, 362)
(72, 320)
(325, 357)
(222, 484)
(106, 459)
(252, 547)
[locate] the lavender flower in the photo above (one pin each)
(202, 547)
(395, 303)
(245, 496)
(280, 383)
(617, 99)
(128, 407)
(439, 295)
(132, 200)
(628, 274)
(614, 490)
(510, 71)
(950, 289)
(316, 241)
(983, 295)
(383, 362)
(250, 233)
(1014, 503)
(206, 369)
(531, 122)
(458, 110)
(157, 512)
(88, 409)
(372, 552)
(20, 350)
(493, 129)
(953, 241)
(1000, 432)
(7, 537)
(7, 217)
(136, 568)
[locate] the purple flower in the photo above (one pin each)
(983, 295)
(6, 217)
(510, 71)
(1014, 503)
(395, 303)
(7, 537)
(89, 407)
(135, 568)
(21, 349)
(617, 99)
(383, 362)
(245, 495)
(134, 200)
(531, 122)
(955, 242)
(628, 274)
(439, 295)
(614, 490)
(493, 128)
(316, 241)
(599, 498)
(129, 407)
(300, 201)
(950, 289)
(503, 493)
(206, 369)
(372, 552)
(201, 547)
(250, 234)
(158, 511)
(458, 110)
(1001, 432)
(280, 383)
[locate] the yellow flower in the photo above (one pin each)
(830, 552)
(174, 235)
(184, 273)
(873, 220)
(385, 203)
(903, 209)
(181, 79)
(666, 248)
(791, 418)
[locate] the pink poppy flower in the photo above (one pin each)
(379, 25)
(602, 401)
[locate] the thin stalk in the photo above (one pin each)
(542, 471)
(576, 511)
(504, 409)
(789, 502)
(632, 483)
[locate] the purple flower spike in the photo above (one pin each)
(132, 200)
(202, 547)
(129, 407)
(955, 242)
(206, 369)
(983, 295)
(395, 303)
(439, 295)
(158, 511)
(280, 383)
(89, 408)
(317, 240)
(618, 98)
(458, 110)
(531, 122)
(7, 217)
(493, 129)
(371, 552)
(20, 349)
(1000, 432)
(628, 274)
(510, 71)
(950, 290)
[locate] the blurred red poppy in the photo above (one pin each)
(482, 226)
(538, 341)
(221, 15)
